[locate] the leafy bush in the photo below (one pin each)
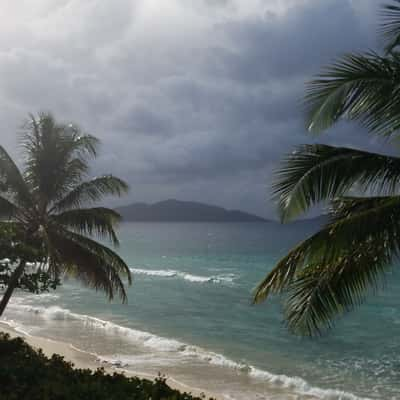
(12, 249)
(26, 373)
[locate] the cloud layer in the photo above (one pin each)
(196, 100)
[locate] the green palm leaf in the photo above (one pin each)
(98, 221)
(314, 173)
(56, 156)
(328, 273)
(390, 26)
(322, 292)
(8, 210)
(12, 180)
(92, 191)
(358, 87)
(93, 264)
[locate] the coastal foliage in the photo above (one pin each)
(11, 250)
(51, 209)
(26, 373)
(331, 272)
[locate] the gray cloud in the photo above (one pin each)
(192, 99)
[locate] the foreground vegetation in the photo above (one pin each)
(26, 373)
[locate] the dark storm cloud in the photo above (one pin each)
(275, 47)
(192, 99)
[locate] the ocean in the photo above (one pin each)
(190, 316)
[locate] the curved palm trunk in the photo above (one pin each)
(11, 286)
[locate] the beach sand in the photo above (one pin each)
(84, 360)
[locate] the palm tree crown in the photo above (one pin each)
(331, 272)
(48, 205)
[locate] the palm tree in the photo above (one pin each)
(47, 204)
(331, 272)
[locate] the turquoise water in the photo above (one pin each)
(190, 316)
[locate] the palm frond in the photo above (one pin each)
(92, 191)
(360, 87)
(11, 179)
(95, 265)
(315, 173)
(282, 275)
(7, 209)
(84, 145)
(97, 221)
(322, 292)
(390, 25)
(356, 223)
(330, 273)
(56, 156)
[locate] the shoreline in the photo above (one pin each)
(85, 360)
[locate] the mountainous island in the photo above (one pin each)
(183, 211)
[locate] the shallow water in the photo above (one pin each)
(189, 316)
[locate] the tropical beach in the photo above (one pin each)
(174, 226)
(196, 325)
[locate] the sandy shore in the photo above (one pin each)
(82, 359)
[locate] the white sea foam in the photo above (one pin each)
(155, 272)
(125, 361)
(301, 386)
(17, 327)
(168, 351)
(168, 273)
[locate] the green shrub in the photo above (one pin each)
(12, 249)
(26, 373)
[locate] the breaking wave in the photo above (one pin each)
(161, 273)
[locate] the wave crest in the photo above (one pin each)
(168, 273)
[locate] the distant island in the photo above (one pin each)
(183, 211)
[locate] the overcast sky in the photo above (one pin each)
(193, 99)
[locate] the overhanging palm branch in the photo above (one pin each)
(390, 28)
(7, 209)
(95, 265)
(314, 173)
(359, 87)
(12, 181)
(98, 221)
(91, 191)
(329, 273)
(322, 292)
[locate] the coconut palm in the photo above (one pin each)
(331, 272)
(48, 204)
